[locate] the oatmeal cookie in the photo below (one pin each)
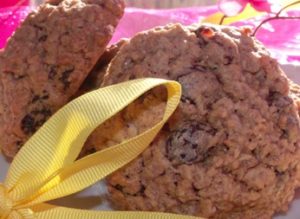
(46, 61)
(95, 77)
(295, 93)
(232, 148)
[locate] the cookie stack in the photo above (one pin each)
(46, 61)
(232, 148)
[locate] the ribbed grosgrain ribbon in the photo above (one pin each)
(46, 167)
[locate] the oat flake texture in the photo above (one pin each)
(231, 150)
(47, 59)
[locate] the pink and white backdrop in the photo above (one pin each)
(281, 37)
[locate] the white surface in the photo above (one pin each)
(94, 197)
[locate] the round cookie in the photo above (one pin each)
(231, 150)
(295, 93)
(47, 59)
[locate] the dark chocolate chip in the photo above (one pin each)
(36, 118)
(45, 97)
(28, 124)
(65, 77)
(52, 72)
(43, 38)
(278, 100)
(20, 77)
(142, 190)
(35, 98)
(15, 75)
(190, 143)
(19, 144)
(119, 187)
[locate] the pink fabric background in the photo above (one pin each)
(9, 3)
(281, 37)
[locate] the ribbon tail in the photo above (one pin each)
(90, 169)
(58, 142)
(45, 211)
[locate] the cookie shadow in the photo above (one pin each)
(79, 202)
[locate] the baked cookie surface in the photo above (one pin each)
(295, 93)
(231, 150)
(46, 61)
(95, 77)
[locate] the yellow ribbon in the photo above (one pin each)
(46, 167)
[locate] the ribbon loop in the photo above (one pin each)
(46, 169)
(5, 203)
(7, 208)
(46, 211)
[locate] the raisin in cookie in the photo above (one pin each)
(46, 61)
(232, 148)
